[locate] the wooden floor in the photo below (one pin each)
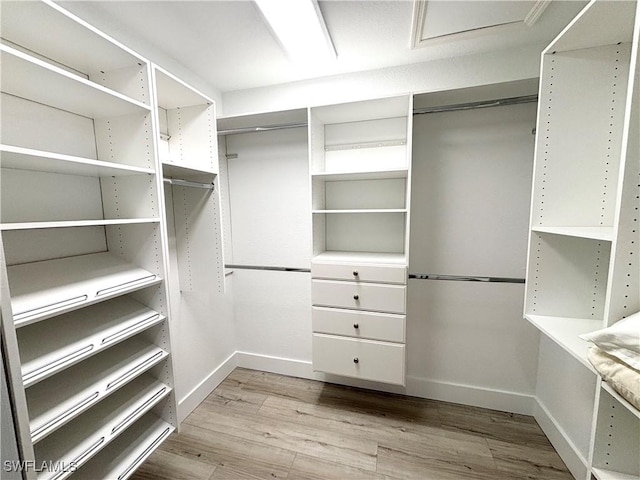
(258, 425)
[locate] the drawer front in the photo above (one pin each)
(376, 326)
(364, 359)
(360, 273)
(359, 296)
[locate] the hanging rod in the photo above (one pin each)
(235, 131)
(276, 269)
(474, 105)
(462, 278)
(187, 183)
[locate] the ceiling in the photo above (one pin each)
(229, 45)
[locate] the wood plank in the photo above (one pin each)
(163, 465)
(310, 468)
(528, 462)
(356, 452)
(236, 399)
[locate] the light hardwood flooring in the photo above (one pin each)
(259, 425)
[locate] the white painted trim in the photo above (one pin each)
(191, 400)
(567, 450)
(416, 386)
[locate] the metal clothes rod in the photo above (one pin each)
(187, 183)
(276, 269)
(235, 131)
(462, 278)
(474, 105)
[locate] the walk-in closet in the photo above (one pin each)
(408, 250)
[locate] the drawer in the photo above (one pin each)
(352, 323)
(359, 296)
(364, 359)
(360, 272)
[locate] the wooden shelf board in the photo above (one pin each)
(620, 399)
(172, 170)
(29, 159)
(40, 290)
(594, 233)
(565, 332)
(363, 210)
(88, 331)
(360, 175)
(361, 257)
(121, 458)
(75, 223)
(38, 81)
(173, 93)
(57, 400)
(83, 438)
(602, 474)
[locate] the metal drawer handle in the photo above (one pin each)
(355, 273)
(356, 325)
(356, 297)
(356, 360)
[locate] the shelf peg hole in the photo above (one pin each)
(356, 273)
(356, 297)
(356, 325)
(356, 360)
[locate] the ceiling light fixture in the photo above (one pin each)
(300, 28)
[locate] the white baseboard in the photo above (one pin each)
(567, 450)
(192, 399)
(416, 386)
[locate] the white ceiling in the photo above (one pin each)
(228, 44)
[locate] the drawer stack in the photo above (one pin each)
(359, 318)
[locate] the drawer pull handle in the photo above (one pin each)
(356, 325)
(355, 273)
(356, 297)
(356, 360)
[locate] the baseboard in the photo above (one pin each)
(416, 386)
(192, 399)
(567, 450)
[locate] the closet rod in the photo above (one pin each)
(473, 105)
(462, 278)
(187, 183)
(234, 131)
(261, 267)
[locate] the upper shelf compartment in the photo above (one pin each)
(187, 120)
(60, 38)
(360, 138)
(27, 77)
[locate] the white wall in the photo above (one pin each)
(450, 73)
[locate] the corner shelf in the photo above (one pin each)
(87, 384)
(41, 290)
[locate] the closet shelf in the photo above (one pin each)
(172, 170)
(43, 289)
(56, 400)
(621, 400)
(33, 79)
(565, 331)
(120, 459)
(361, 257)
(366, 145)
(594, 233)
(362, 175)
(81, 439)
(86, 332)
(75, 223)
(602, 474)
(364, 210)
(29, 159)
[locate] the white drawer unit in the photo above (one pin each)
(364, 359)
(359, 296)
(360, 272)
(350, 323)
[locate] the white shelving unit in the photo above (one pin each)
(360, 170)
(189, 156)
(85, 301)
(583, 272)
